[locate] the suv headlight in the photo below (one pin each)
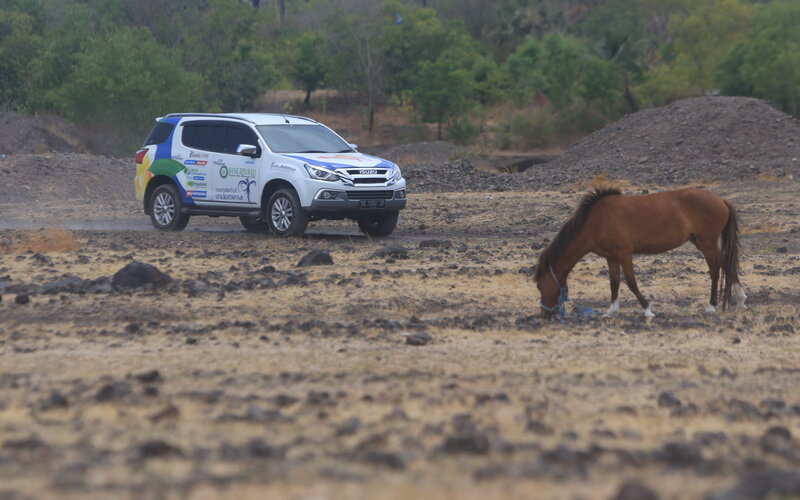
(320, 173)
(397, 173)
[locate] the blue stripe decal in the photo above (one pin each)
(164, 150)
(333, 166)
(186, 199)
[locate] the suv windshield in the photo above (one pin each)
(302, 139)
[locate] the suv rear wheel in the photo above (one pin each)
(253, 224)
(165, 209)
(378, 225)
(284, 215)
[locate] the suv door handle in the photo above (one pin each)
(219, 162)
(177, 157)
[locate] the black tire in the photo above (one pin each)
(165, 209)
(284, 215)
(378, 225)
(253, 224)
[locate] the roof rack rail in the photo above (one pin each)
(301, 118)
(209, 115)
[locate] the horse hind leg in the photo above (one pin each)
(713, 255)
(630, 280)
(613, 278)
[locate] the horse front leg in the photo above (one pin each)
(630, 280)
(613, 278)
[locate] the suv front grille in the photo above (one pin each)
(361, 171)
(369, 195)
(369, 180)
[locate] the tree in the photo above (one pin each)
(355, 31)
(125, 80)
(600, 83)
(411, 35)
(224, 46)
(18, 45)
(443, 91)
(702, 35)
(308, 65)
(767, 63)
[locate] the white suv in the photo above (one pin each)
(271, 170)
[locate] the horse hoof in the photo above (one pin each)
(648, 314)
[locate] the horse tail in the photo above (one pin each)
(730, 256)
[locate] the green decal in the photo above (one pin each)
(223, 171)
(166, 167)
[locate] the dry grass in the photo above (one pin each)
(51, 239)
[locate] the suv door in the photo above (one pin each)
(234, 177)
(197, 150)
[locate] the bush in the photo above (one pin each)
(462, 131)
(534, 128)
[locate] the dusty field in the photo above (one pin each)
(249, 377)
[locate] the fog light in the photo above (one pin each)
(400, 194)
(329, 195)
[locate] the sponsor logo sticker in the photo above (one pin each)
(196, 194)
(199, 178)
(223, 172)
(196, 184)
(192, 154)
(199, 163)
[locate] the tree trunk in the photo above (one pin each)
(282, 11)
(307, 100)
(439, 131)
(629, 96)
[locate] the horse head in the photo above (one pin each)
(552, 296)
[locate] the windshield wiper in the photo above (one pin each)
(347, 151)
(313, 151)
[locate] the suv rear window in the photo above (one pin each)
(159, 133)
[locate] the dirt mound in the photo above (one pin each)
(39, 133)
(705, 139)
(57, 176)
(459, 175)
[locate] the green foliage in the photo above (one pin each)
(600, 83)
(224, 47)
(420, 36)
(126, 79)
(443, 90)
(703, 32)
(529, 129)
(18, 44)
(462, 131)
(308, 65)
(767, 63)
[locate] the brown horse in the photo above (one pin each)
(616, 227)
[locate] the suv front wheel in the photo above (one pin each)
(378, 225)
(165, 209)
(284, 215)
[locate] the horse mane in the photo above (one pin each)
(569, 229)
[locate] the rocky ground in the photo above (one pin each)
(411, 367)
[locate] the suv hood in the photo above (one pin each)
(341, 160)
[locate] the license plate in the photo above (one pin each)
(372, 203)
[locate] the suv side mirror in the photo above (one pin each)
(353, 146)
(247, 150)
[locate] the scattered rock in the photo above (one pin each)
(391, 251)
(634, 491)
(349, 427)
(149, 377)
(170, 412)
(157, 448)
(138, 274)
(316, 258)
(763, 485)
(113, 391)
(22, 299)
(419, 338)
(54, 401)
(668, 400)
(475, 443)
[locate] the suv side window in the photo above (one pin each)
(236, 136)
(205, 137)
(159, 133)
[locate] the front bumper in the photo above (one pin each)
(354, 204)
